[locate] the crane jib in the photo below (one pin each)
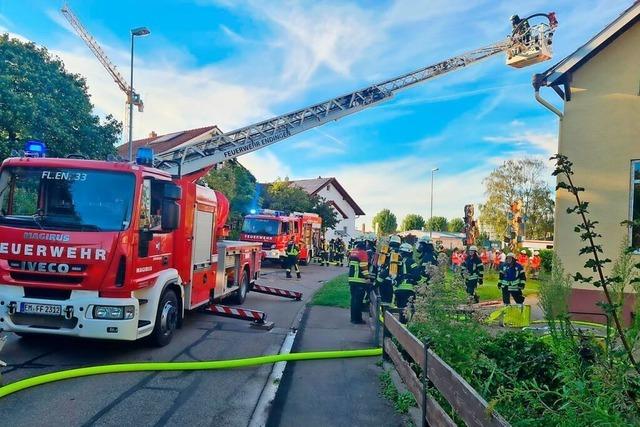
(255, 144)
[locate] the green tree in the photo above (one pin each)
(412, 222)
(436, 223)
(385, 222)
(519, 180)
(40, 99)
(456, 225)
(282, 195)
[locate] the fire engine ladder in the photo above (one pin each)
(199, 156)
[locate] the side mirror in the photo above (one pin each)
(172, 191)
(170, 215)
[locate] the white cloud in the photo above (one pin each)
(547, 143)
(266, 166)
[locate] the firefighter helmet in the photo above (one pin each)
(536, 253)
(395, 240)
(406, 248)
(523, 251)
(511, 254)
(473, 248)
(425, 239)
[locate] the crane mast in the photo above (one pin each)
(91, 42)
(523, 49)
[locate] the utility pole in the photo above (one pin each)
(136, 32)
(431, 213)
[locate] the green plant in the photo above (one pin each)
(334, 293)
(547, 259)
(587, 231)
(401, 401)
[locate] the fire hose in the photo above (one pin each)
(182, 366)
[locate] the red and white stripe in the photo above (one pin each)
(239, 313)
(277, 291)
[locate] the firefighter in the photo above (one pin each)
(523, 259)
(384, 282)
(535, 264)
(426, 256)
(409, 274)
(512, 280)
(358, 280)
(473, 272)
(292, 253)
(520, 28)
(340, 252)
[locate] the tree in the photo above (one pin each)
(385, 222)
(412, 222)
(456, 225)
(437, 223)
(40, 99)
(282, 195)
(519, 180)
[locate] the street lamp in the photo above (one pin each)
(431, 214)
(136, 32)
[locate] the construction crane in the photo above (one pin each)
(91, 42)
(523, 48)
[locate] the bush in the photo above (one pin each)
(547, 259)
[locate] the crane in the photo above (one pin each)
(523, 48)
(92, 43)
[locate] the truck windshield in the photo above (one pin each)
(66, 199)
(262, 227)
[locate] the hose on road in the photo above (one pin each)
(182, 366)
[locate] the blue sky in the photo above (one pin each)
(232, 63)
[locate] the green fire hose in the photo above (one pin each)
(182, 366)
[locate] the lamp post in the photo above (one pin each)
(431, 213)
(136, 32)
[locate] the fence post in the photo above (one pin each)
(425, 382)
(377, 316)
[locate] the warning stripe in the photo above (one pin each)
(277, 291)
(238, 312)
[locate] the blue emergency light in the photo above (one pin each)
(252, 211)
(34, 148)
(144, 156)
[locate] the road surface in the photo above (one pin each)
(201, 398)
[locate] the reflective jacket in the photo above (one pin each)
(536, 261)
(472, 268)
(512, 276)
(408, 274)
(292, 249)
(358, 266)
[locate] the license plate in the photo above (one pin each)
(46, 309)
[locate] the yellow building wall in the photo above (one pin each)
(600, 133)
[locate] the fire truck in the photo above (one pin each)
(273, 229)
(123, 249)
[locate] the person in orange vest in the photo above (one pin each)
(497, 259)
(484, 257)
(523, 259)
(456, 259)
(535, 264)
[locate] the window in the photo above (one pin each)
(635, 204)
(151, 204)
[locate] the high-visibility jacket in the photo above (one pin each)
(512, 276)
(484, 257)
(358, 266)
(473, 269)
(292, 249)
(536, 262)
(408, 274)
(523, 259)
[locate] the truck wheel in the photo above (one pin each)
(166, 319)
(241, 294)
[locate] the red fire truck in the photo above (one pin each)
(111, 249)
(273, 229)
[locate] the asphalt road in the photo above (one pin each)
(201, 398)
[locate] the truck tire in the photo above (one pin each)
(166, 319)
(240, 295)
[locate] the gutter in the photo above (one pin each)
(537, 83)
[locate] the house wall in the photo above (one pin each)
(600, 133)
(345, 224)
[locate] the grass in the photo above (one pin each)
(489, 289)
(334, 293)
(401, 401)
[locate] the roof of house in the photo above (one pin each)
(558, 74)
(162, 143)
(434, 234)
(313, 186)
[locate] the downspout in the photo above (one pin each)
(537, 83)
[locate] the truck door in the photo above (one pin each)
(154, 243)
(201, 259)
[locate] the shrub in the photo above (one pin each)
(547, 259)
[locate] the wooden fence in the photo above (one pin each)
(465, 401)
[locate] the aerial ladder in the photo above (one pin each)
(522, 48)
(92, 43)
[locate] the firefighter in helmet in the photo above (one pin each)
(473, 273)
(426, 256)
(512, 280)
(384, 281)
(358, 280)
(292, 253)
(409, 274)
